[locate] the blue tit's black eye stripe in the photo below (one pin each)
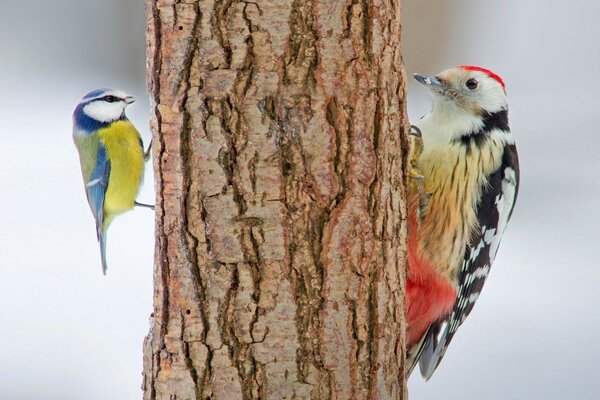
(110, 99)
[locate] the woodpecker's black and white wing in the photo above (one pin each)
(493, 213)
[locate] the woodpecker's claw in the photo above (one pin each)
(416, 148)
(415, 131)
(416, 180)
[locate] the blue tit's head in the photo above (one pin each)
(100, 108)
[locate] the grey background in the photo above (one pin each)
(69, 333)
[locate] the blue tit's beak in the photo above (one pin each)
(429, 81)
(129, 99)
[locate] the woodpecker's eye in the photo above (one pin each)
(472, 84)
(110, 99)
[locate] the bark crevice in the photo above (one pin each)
(279, 137)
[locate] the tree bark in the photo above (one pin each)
(279, 150)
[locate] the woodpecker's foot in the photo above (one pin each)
(148, 152)
(416, 148)
(150, 206)
(416, 180)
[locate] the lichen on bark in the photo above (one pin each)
(280, 134)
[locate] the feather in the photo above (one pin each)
(102, 242)
(96, 190)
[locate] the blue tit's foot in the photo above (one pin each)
(148, 152)
(150, 206)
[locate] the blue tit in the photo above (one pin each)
(112, 157)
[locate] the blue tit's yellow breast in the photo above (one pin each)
(124, 150)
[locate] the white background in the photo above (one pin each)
(69, 333)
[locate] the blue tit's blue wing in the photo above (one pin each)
(96, 190)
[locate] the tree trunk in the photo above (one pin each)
(279, 141)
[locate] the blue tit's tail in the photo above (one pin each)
(102, 241)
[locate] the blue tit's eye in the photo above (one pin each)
(110, 99)
(472, 84)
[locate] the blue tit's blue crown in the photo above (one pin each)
(96, 93)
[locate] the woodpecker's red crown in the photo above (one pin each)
(489, 73)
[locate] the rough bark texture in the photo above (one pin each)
(279, 141)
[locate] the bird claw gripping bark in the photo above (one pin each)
(416, 180)
(148, 153)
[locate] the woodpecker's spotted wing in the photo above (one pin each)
(493, 213)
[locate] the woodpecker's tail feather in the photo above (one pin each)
(429, 350)
(413, 354)
(433, 350)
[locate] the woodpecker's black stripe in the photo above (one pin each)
(488, 218)
(497, 120)
(511, 158)
(477, 259)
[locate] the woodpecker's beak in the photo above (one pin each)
(429, 81)
(129, 99)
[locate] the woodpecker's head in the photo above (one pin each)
(474, 90)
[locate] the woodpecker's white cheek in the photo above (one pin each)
(447, 123)
(103, 111)
(491, 98)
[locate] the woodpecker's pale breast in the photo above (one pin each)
(455, 176)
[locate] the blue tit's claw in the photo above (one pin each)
(148, 152)
(150, 206)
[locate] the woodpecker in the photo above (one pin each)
(469, 179)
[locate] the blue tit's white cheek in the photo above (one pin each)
(103, 111)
